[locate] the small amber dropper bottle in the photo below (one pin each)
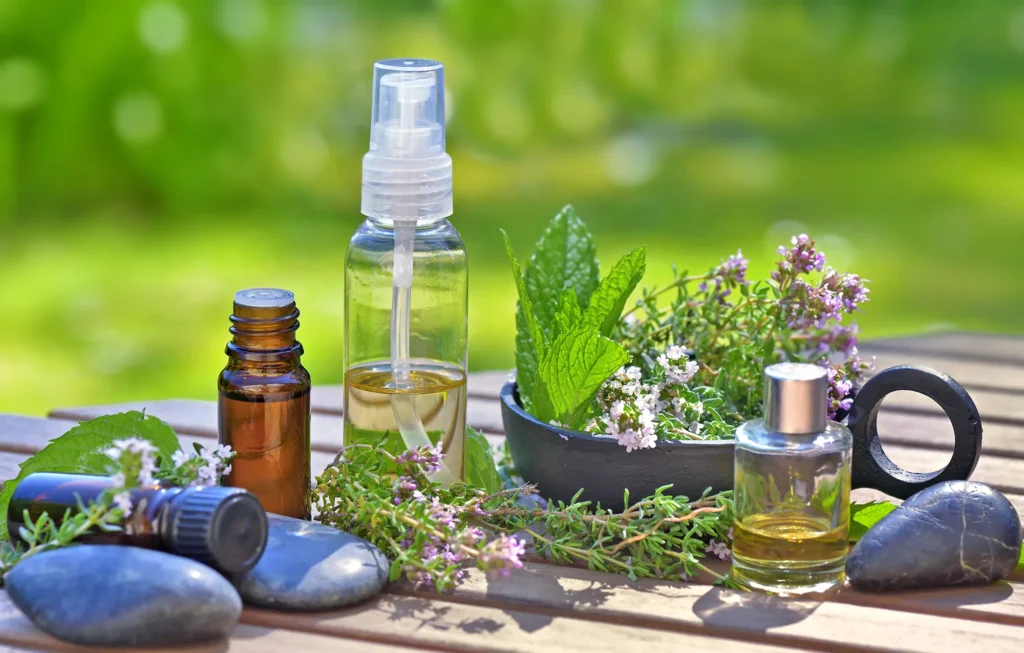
(264, 402)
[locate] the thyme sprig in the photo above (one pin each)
(430, 533)
(44, 534)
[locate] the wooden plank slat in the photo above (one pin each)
(196, 417)
(989, 375)
(17, 631)
(448, 626)
(986, 347)
(682, 607)
(994, 407)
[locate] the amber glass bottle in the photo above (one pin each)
(223, 527)
(264, 402)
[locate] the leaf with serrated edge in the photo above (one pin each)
(481, 471)
(79, 450)
(530, 345)
(610, 298)
(865, 515)
(565, 257)
(576, 365)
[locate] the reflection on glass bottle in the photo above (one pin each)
(792, 487)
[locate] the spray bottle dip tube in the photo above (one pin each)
(263, 408)
(406, 276)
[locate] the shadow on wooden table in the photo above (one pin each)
(756, 611)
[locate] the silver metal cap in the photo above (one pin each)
(264, 298)
(795, 398)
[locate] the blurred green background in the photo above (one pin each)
(157, 155)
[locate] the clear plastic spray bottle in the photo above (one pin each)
(406, 276)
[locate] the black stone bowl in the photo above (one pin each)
(562, 461)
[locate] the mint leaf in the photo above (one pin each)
(79, 450)
(576, 365)
(481, 471)
(865, 515)
(569, 313)
(610, 298)
(530, 342)
(565, 257)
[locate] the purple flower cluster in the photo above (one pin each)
(731, 272)
(445, 541)
(809, 305)
(839, 388)
(837, 338)
(801, 258)
(427, 458)
(503, 554)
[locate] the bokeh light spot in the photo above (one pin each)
(242, 20)
(1016, 29)
(630, 160)
(138, 118)
(22, 84)
(163, 26)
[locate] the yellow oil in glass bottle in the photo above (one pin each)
(263, 408)
(792, 488)
(406, 277)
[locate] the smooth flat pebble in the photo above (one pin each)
(953, 533)
(309, 566)
(104, 595)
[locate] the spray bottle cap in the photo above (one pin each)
(407, 175)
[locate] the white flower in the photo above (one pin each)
(181, 457)
(699, 408)
(615, 412)
(694, 428)
(634, 373)
(691, 369)
(663, 361)
(631, 388)
(675, 352)
(123, 500)
(118, 479)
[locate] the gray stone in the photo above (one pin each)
(103, 595)
(309, 566)
(953, 533)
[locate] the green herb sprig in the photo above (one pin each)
(430, 532)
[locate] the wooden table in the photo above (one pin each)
(547, 608)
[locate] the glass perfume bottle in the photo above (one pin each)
(792, 487)
(263, 407)
(223, 527)
(406, 276)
